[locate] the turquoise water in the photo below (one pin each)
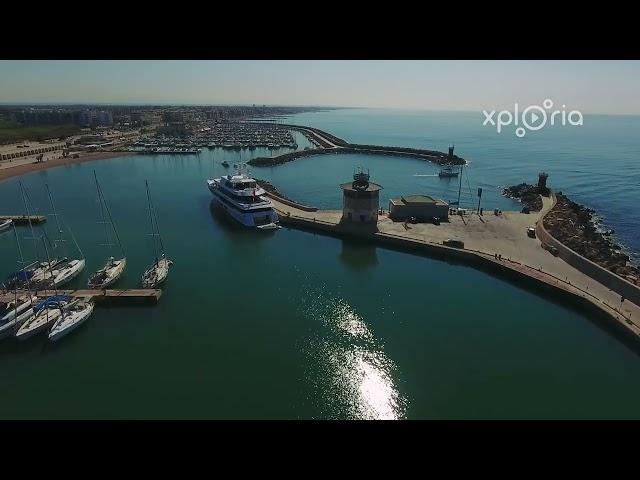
(298, 325)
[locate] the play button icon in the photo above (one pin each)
(534, 117)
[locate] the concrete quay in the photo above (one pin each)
(110, 296)
(497, 243)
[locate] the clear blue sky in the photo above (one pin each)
(589, 86)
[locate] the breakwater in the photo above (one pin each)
(332, 144)
(573, 226)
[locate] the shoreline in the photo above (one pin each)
(10, 172)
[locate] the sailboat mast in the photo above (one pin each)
(55, 214)
(115, 230)
(153, 240)
(53, 283)
(28, 213)
(102, 216)
(154, 219)
(15, 232)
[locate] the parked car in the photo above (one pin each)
(531, 232)
(436, 221)
(451, 242)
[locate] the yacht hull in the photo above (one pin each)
(113, 274)
(246, 218)
(65, 276)
(58, 332)
(41, 326)
(161, 271)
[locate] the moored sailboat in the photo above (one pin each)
(157, 273)
(15, 312)
(73, 316)
(113, 268)
(69, 269)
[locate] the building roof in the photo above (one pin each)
(372, 187)
(417, 199)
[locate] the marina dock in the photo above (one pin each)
(103, 297)
(24, 219)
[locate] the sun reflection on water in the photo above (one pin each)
(350, 373)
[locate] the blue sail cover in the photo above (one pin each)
(20, 276)
(51, 300)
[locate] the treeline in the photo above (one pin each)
(11, 132)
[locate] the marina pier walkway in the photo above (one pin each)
(24, 219)
(112, 297)
(485, 238)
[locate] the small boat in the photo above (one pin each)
(157, 273)
(14, 308)
(15, 312)
(113, 269)
(68, 272)
(225, 164)
(5, 224)
(72, 317)
(108, 274)
(447, 172)
(269, 226)
(7, 327)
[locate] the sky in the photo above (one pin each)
(608, 87)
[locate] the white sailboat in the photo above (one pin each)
(114, 268)
(14, 313)
(157, 273)
(69, 269)
(37, 272)
(73, 316)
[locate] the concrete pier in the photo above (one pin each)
(498, 243)
(24, 219)
(102, 297)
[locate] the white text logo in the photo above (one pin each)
(532, 118)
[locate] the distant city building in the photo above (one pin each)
(104, 118)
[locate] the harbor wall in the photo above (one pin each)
(511, 270)
(291, 203)
(586, 266)
(385, 151)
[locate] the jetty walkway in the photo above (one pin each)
(495, 242)
(111, 296)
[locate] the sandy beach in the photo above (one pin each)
(13, 171)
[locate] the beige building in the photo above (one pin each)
(422, 207)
